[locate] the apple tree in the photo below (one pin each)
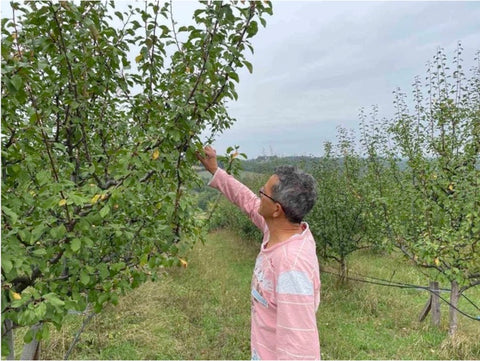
(431, 203)
(98, 145)
(339, 218)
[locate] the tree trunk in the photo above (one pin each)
(31, 351)
(343, 270)
(454, 297)
(8, 332)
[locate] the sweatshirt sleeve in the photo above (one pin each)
(239, 194)
(297, 333)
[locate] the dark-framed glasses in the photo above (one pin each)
(262, 193)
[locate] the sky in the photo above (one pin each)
(317, 63)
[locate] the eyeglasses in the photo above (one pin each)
(262, 193)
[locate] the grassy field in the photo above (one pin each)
(203, 312)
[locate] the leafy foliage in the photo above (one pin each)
(432, 207)
(340, 218)
(97, 152)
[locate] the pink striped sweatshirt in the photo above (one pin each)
(285, 285)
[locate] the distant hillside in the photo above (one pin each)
(267, 164)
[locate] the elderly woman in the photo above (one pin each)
(286, 280)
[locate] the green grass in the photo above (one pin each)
(365, 321)
(203, 312)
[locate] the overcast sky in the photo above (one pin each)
(318, 62)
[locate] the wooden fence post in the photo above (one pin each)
(454, 296)
(433, 304)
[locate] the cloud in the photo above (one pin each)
(317, 63)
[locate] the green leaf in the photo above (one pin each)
(105, 211)
(44, 333)
(43, 177)
(41, 311)
(58, 232)
(37, 232)
(13, 216)
(249, 66)
(103, 270)
(234, 76)
(39, 252)
(76, 244)
(7, 264)
(103, 298)
(208, 66)
(53, 299)
(252, 29)
(97, 307)
(28, 336)
(84, 277)
(114, 298)
(77, 199)
(17, 82)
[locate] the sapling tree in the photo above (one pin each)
(98, 148)
(382, 172)
(338, 218)
(432, 209)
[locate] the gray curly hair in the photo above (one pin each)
(295, 191)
